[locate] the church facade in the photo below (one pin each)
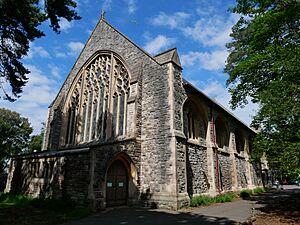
(126, 128)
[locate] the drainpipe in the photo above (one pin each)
(216, 150)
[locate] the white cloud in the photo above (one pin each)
(106, 5)
(36, 97)
(213, 31)
(158, 44)
(65, 24)
(55, 71)
(220, 93)
(212, 61)
(131, 6)
(206, 11)
(75, 47)
(61, 55)
(36, 51)
(173, 21)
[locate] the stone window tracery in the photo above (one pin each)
(99, 109)
(239, 142)
(194, 123)
(222, 135)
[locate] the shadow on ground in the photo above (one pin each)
(142, 216)
(280, 203)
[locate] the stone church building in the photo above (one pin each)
(127, 129)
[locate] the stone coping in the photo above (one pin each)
(51, 153)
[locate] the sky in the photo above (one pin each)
(199, 29)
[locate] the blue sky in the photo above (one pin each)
(198, 28)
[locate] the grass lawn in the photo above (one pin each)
(24, 210)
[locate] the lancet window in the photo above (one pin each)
(222, 135)
(97, 107)
(239, 142)
(195, 126)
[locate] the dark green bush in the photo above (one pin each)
(225, 198)
(259, 190)
(205, 200)
(201, 200)
(245, 193)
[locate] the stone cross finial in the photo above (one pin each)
(102, 14)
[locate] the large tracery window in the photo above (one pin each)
(97, 106)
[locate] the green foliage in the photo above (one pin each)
(36, 141)
(245, 193)
(225, 198)
(258, 190)
(9, 200)
(65, 205)
(201, 200)
(264, 65)
(19, 22)
(204, 200)
(14, 135)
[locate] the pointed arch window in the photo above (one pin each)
(195, 126)
(103, 90)
(239, 142)
(222, 134)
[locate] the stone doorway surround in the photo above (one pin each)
(121, 181)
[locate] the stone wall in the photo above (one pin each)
(241, 172)
(51, 176)
(225, 172)
(197, 174)
(255, 174)
(181, 165)
(157, 164)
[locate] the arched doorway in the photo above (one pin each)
(116, 184)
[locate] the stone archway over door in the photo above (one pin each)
(116, 184)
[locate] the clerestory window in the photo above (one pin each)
(97, 103)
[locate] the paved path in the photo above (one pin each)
(226, 213)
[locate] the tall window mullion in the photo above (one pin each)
(100, 113)
(73, 125)
(83, 122)
(121, 114)
(114, 116)
(89, 114)
(94, 123)
(68, 126)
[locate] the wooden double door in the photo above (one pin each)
(116, 184)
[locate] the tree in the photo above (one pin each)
(19, 21)
(264, 65)
(36, 141)
(14, 135)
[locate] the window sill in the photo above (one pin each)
(196, 142)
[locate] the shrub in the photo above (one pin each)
(245, 193)
(201, 200)
(7, 200)
(259, 190)
(207, 200)
(225, 198)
